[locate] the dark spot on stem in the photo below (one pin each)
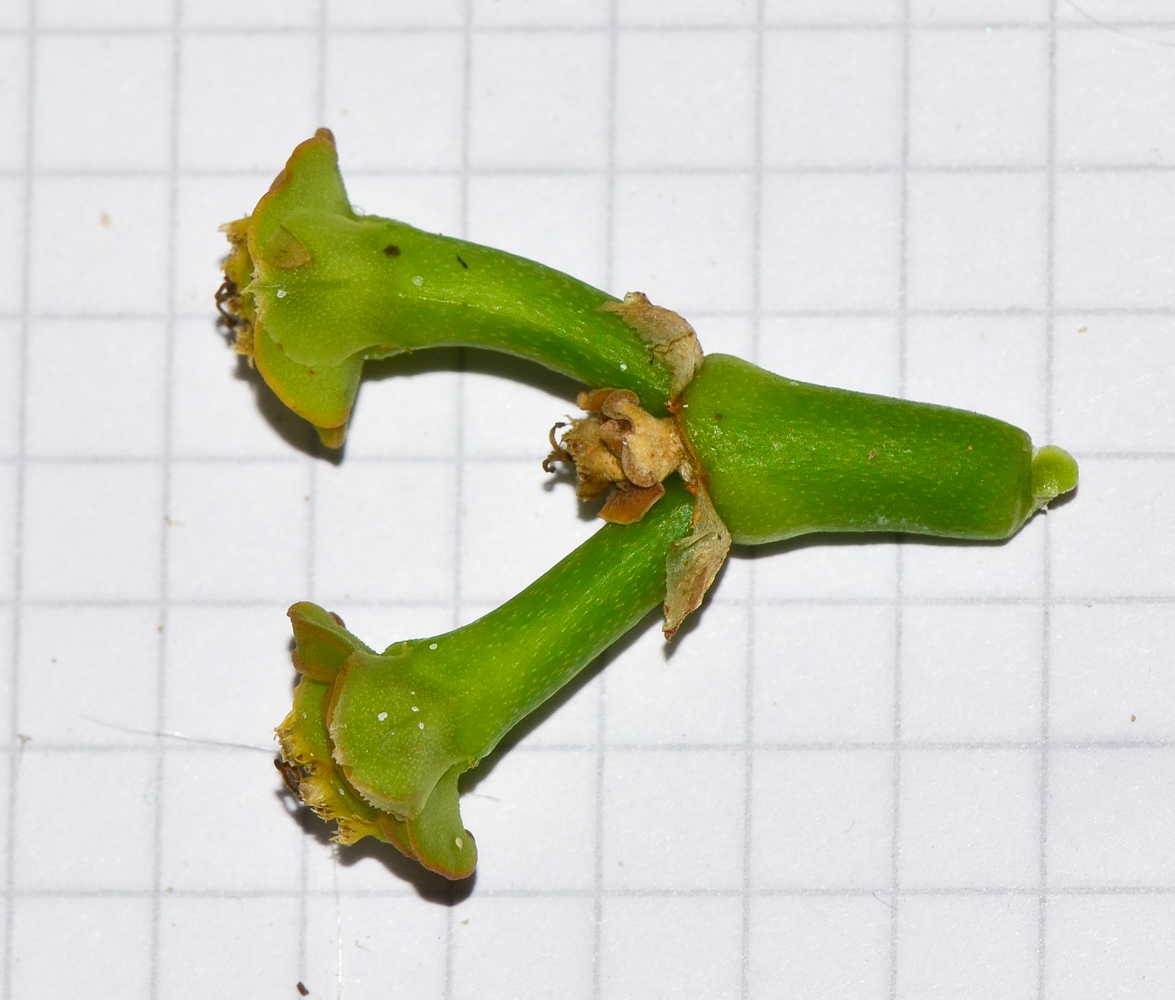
(392, 250)
(461, 262)
(717, 416)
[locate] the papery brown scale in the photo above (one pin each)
(628, 504)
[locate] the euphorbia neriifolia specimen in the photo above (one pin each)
(691, 453)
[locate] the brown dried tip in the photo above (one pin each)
(291, 774)
(620, 446)
(668, 335)
(694, 562)
(235, 308)
(596, 468)
(627, 504)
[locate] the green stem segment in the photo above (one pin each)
(318, 289)
(378, 740)
(786, 458)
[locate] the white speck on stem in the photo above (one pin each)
(418, 280)
(382, 716)
(623, 367)
(459, 842)
(431, 645)
(415, 708)
(281, 293)
(420, 724)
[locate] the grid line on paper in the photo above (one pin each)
(1046, 610)
(895, 896)
(749, 675)
(680, 170)
(597, 971)
(796, 170)
(461, 406)
(1038, 27)
(310, 463)
(765, 893)
(717, 599)
(192, 745)
(504, 459)
(14, 742)
(858, 892)
(1156, 311)
(160, 743)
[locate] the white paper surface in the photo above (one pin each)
(867, 771)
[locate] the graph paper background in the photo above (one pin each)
(867, 771)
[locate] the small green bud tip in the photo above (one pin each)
(1054, 471)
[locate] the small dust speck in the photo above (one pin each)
(1132, 718)
(415, 708)
(104, 220)
(623, 367)
(281, 293)
(459, 842)
(1083, 329)
(382, 716)
(431, 645)
(418, 280)
(302, 989)
(420, 724)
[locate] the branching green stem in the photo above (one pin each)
(377, 742)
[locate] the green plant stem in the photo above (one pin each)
(320, 289)
(786, 458)
(380, 739)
